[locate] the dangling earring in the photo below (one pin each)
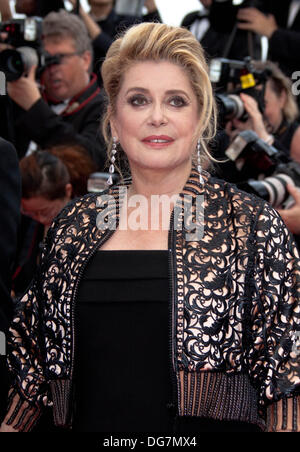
(112, 162)
(199, 167)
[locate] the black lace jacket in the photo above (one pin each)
(234, 309)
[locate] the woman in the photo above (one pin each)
(279, 123)
(154, 328)
(46, 187)
(50, 179)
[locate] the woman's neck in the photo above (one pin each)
(148, 182)
(276, 127)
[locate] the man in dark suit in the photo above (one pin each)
(10, 198)
(279, 21)
(215, 27)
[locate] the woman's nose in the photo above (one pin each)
(158, 115)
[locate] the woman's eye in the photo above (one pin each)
(178, 101)
(138, 101)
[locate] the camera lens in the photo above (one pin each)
(11, 63)
(272, 189)
(15, 62)
(231, 106)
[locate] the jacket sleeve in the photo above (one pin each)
(27, 339)
(284, 46)
(275, 311)
(29, 391)
(26, 345)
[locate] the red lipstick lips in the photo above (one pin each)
(158, 141)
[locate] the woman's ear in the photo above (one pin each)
(69, 190)
(112, 124)
(113, 129)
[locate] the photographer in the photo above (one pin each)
(278, 124)
(66, 104)
(215, 27)
(103, 24)
(262, 140)
(280, 22)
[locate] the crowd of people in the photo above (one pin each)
(148, 328)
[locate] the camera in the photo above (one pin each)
(264, 170)
(21, 32)
(231, 78)
(15, 62)
(274, 188)
(25, 35)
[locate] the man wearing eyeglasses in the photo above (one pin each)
(66, 104)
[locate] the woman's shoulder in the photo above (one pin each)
(78, 205)
(79, 214)
(74, 225)
(247, 211)
(229, 192)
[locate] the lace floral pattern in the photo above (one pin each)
(235, 301)
(239, 293)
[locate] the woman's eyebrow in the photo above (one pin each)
(177, 91)
(137, 88)
(144, 90)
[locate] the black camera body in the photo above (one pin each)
(231, 78)
(25, 36)
(264, 170)
(22, 32)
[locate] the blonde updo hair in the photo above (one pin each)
(159, 42)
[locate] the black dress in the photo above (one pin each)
(123, 377)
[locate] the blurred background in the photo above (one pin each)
(171, 11)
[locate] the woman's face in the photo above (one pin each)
(41, 209)
(156, 116)
(274, 105)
